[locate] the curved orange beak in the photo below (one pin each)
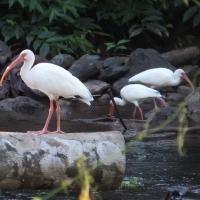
(111, 110)
(20, 59)
(185, 77)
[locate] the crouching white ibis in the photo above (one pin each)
(161, 77)
(52, 80)
(133, 93)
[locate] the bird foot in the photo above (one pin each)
(41, 132)
(59, 131)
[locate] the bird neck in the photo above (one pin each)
(27, 65)
(119, 101)
(176, 80)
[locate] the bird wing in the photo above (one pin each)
(136, 92)
(157, 77)
(55, 81)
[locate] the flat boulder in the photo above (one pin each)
(30, 161)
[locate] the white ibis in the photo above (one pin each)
(133, 93)
(52, 80)
(161, 77)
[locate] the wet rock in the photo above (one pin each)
(40, 59)
(143, 59)
(5, 53)
(97, 86)
(113, 68)
(63, 60)
(117, 85)
(184, 90)
(193, 104)
(104, 99)
(91, 57)
(161, 115)
(21, 105)
(5, 90)
(85, 68)
(44, 162)
(190, 70)
(174, 98)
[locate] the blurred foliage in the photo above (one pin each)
(83, 180)
(79, 26)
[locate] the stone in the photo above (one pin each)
(193, 105)
(104, 99)
(21, 105)
(5, 90)
(161, 115)
(63, 60)
(117, 85)
(29, 161)
(113, 68)
(97, 86)
(144, 59)
(90, 57)
(184, 90)
(190, 70)
(5, 53)
(85, 68)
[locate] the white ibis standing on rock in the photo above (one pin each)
(161, 77)
(133, 93)
(52, 80)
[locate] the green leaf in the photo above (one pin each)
(196, 19)
(36, 44)
(29, 39)
(22, 3)
(189, 13)
(123, 41)
(44, 50)
(136, 32)
(56, 39)
(11, 3)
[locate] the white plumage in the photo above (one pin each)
(52, 80)
(161, 77)
(133, 93)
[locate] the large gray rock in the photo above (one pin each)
(193, 104)
(30, 161)
(63, 60)
(97, 86)
(113, 68)
(21, 105)
(143, 59)
(86, 67)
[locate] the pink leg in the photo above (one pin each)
(44, 130)
(141, 113)
(135, 112)
(58, 130)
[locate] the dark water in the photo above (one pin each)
(154, 163)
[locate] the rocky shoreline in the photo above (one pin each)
(99, 74)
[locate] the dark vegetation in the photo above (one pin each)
(98, 26)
